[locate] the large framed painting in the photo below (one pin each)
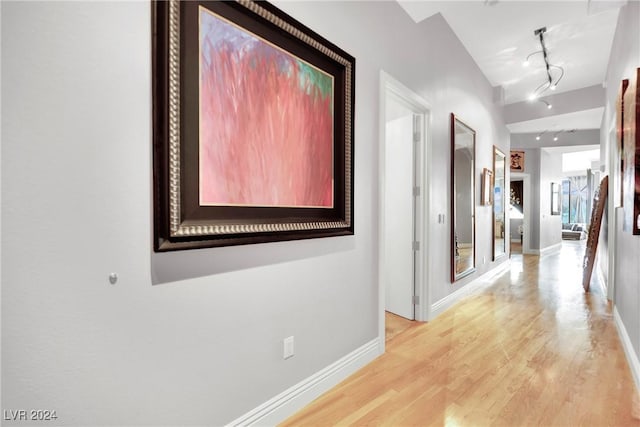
(631, 153)
(253, 127)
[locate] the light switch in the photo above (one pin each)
(288, 348)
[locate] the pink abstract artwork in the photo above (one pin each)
(266, 122)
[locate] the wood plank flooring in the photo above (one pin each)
(531, 350)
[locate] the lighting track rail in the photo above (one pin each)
(551, 83)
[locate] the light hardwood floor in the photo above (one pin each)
(531, 350)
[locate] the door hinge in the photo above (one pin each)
(416, 191)
(416, 246)
(416, 300)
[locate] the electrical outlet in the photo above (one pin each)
(288, 348)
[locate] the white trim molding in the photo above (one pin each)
(389, 85)
(632, 357)
(545, 251)
(287, 403)
(603, 280)
(473, 287)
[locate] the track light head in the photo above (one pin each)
(537, 137)
(525, 63)
(553, 87)
(549, 106)
(533, 96)
(555, 138)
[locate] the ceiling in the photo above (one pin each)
(499, 34)
(579, 120)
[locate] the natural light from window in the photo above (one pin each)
(579, 160)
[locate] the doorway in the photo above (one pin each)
(516, 216)
(520, 216)
(401, 124)
(404, 119)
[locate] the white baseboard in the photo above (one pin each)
(481, 282)
(545, 251)
(550, 249)
(602, 279)
(287, 403)
(632, 357)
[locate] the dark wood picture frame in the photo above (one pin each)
(631, 152)
(180, 221)
(469, 267)
(486, 193)
(556, 201)
(620, 140)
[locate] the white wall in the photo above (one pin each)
(189, 338)
(624, 60)
(550, 225)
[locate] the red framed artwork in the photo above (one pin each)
(253, 127)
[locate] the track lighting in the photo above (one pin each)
(526, 62)
(552, 82)
(549, 106)
(556, 135)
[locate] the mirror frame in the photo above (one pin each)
(454, 275)
(497, 152)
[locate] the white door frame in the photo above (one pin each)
(423, 155)
(526, 196)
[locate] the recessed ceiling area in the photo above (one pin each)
(579, 120)
(500, 34)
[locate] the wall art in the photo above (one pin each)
(487, 187)
(253, 127)
(631, 153)
(619, 196)
(517, 161)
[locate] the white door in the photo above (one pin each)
(399, 208)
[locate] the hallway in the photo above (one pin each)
(530, 349)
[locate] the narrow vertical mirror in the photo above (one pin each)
(499, 200)
(463, 200)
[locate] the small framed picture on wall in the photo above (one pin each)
(517, 161)
(487, 187)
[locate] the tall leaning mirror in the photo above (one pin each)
(499, 197)
(463, 200)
